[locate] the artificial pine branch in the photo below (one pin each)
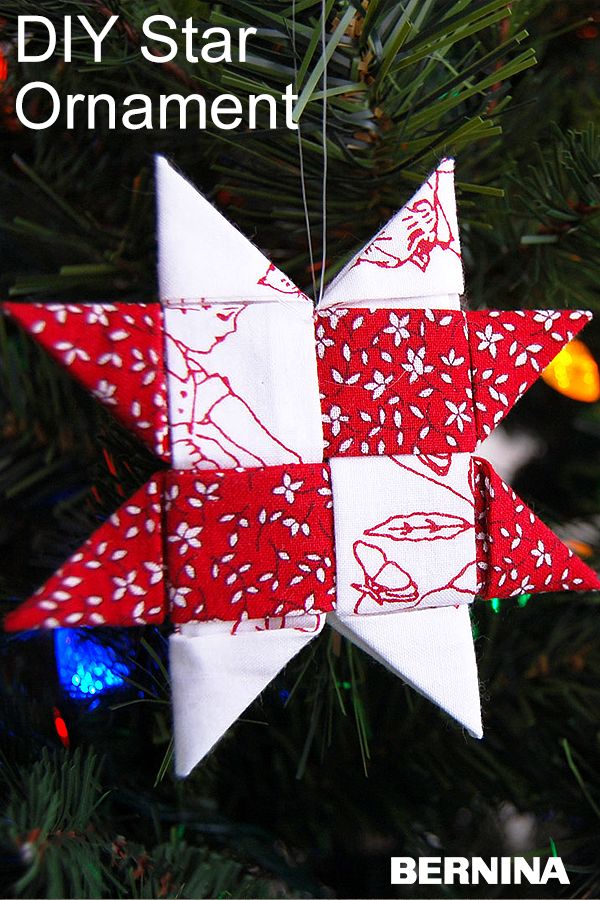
(58, 830)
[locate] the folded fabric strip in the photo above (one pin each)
(242, 384)
(113, 350)
(115, 578)
(256, 544)
(396, 380)
(267, 546)
(243, 392)
(263, 384)
(516, 552)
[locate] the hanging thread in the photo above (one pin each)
(324, 139)
(301, 160)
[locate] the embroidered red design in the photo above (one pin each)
(384, 580)
(280, 283)
(406, 535)
(437, 462)
(461, 584)
(212, 425)
(419, 526)
(414, 233)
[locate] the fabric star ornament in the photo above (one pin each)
(322, 464)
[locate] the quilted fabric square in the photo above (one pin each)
(394, 381)
(251, 544)
(394, 517)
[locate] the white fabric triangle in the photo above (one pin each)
(431, 649)
(215, 677)
(415, 260)
(201, 256)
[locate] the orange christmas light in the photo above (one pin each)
(574, 372)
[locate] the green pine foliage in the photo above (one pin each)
(339, 765)
(58, 828)
(406, 83)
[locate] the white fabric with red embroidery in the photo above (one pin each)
(413, 262)
(239, 335)
(417, 256)
(242, 391)
(242, 384)
(202, 257)
(393, 517)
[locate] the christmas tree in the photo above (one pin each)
(339, 765)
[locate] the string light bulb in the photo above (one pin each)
(574, 373)
(86, 668)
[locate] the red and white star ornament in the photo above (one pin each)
(322, 464)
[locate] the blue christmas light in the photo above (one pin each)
(85, 667)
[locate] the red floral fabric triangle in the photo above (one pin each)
(516, 552)
(113, 350)
(115, 578)
(509, 351)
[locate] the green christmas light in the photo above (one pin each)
(522, 600)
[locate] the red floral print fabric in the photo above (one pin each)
(394, 381)
(113, 350)
(115, 578)
(249, 544)
(509, 351)
(516, 552)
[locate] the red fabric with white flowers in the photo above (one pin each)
(115, 351)
(116, 578)
(391, 380)
(394, 381)
(516, 552)
(251, 544)
(260, 543)
(509, 351)
(428, 381)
